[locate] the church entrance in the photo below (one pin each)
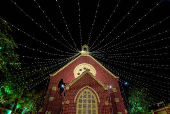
(87, 103)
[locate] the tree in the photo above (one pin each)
(139, 100)
(8, 59)
(13, 88)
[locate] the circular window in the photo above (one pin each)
(81, 68)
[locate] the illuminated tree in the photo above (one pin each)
(8, 59)
(139, 100)
(11, 86)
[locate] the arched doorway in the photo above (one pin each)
(87, 103)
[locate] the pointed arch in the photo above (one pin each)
(86, 102)
(87, 87)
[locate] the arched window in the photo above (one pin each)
(87, 103)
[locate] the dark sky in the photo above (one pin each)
(137, 53)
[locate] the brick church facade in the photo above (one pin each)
(90, 89)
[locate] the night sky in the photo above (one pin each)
(129, 37)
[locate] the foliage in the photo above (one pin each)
(8, 59)
(26, 102)
(139, 100)
(14, 88)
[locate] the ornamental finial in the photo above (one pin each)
(85, 50)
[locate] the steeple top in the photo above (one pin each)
(85, 50)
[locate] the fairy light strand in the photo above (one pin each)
(29, 57)
(105, 24)
(120, 74)
(134, 69)
(131, 25)
(58, 60)
(46, 68)
(135, 58)
(142, 32)
(80, 24)
(33, 72)
(42, 51)
(153, 66)
(62, 65)
(148, 28)
(139, 45)
(116, 25)
(40, 26)
(140, 84)
(154, 49)
(34, 69)
(66, 24)
(41, 64)
(153, 96)
(35, 38)
(53, 24)
(93, 22)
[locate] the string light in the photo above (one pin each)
(47, 73)
(121, 74)
(41, 51)
(143, 51)
(135, 58)
(41, 64)
(117, 24)
(93, 22)
(66, 24)
(115, 58)
(153, 97)
(32, 72)
(130, 26)
(35, 58)
(136, 63)
(38, 83)
(139, 45)
(134, 69)
(41, 26)
(132, 77)
(35, 38)
(45, 69)
(141, 33)
(80, 24)
(105, 24)
(145, 86)
(47, 61)
(55, 62)
(50, 72)
(138, 34)
(53, 24)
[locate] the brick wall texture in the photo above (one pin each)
(59, 104)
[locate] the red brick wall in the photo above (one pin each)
(86, 80)
(68, 76)
(167, 110)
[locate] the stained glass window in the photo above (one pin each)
(87, 103)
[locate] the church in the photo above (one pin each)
(90, 89)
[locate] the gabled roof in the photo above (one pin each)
(79, 57)
(87, 72)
